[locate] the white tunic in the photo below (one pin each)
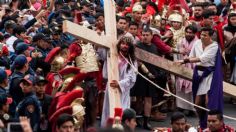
(207, 58)
(126, 82)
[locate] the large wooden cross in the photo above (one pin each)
(180, 71)
(109, 41)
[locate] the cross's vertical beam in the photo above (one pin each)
(112, 57)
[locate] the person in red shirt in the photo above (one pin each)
(215, 122)
(197, 13)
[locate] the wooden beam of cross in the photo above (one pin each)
(109, 41)
(180, 71)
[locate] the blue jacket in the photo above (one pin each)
(30, 107)
(15, 90)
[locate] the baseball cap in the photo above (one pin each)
(40, 79)
(137, 7)
(21, 60)
(5, 100)
(29, 79)
(41, 36)
(4, 74)
(85, 3)
(21, 47)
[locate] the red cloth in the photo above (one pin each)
(161, 46)
(53, 106)
(69, 97)
(195, 19)
(53, 79)
(45, 3)
(53, 119)
(75, 50)
(150, 10)
(225, 128)
(5, 51)
(220, 34)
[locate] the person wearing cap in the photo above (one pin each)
(22, 48)
(86, 9)
(42, 48)
(30, 105)
(21, 66)
(129, 120)
(4, 80)
(42, 43)
(137, 12)
(45, 101)
(4, 109)
(56, 34)
(25, 49)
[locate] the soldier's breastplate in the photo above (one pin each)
(177, 36)
(87, 61)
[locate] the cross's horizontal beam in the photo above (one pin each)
(177, 70)
(84, 33)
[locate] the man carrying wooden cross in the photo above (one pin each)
(207, 78)
(127, 75)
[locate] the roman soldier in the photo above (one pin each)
(70, 89)
(68, 74)
(71, 103)
(57, 62)
(176, 31)
(88, 64)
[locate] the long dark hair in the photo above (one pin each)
(230, 27)
(129, 41)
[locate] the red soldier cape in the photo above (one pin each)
(53, 79)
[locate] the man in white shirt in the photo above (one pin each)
(207, 78)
